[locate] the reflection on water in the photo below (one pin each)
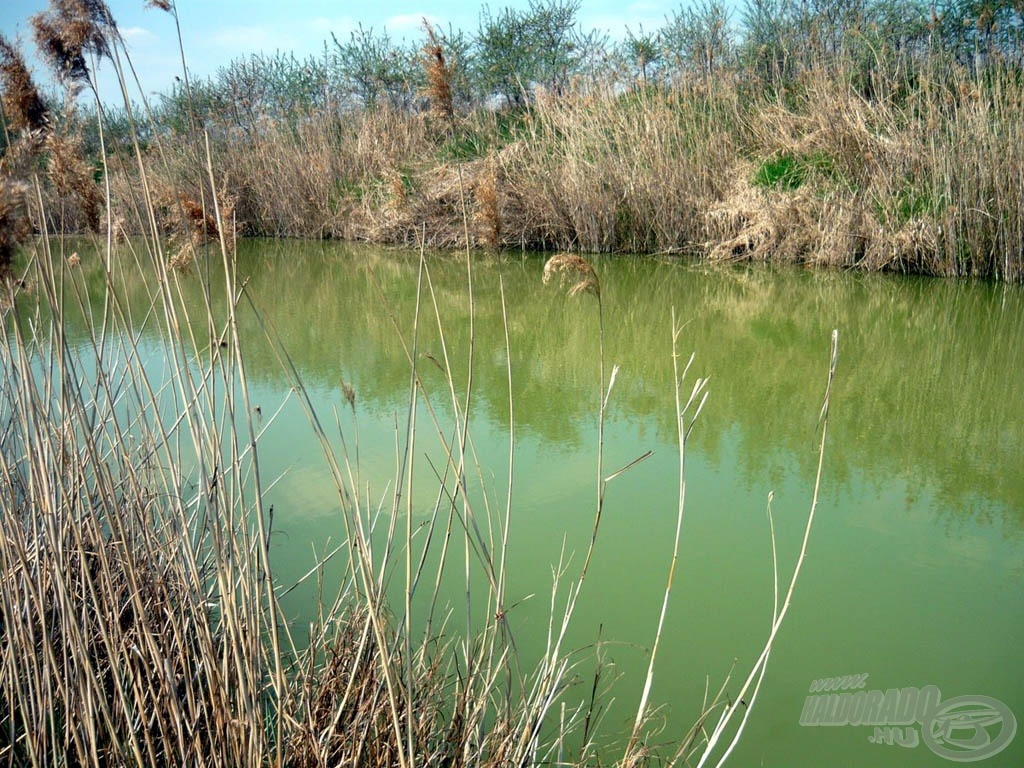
(915, 566)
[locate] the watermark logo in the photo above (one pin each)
(962, 729)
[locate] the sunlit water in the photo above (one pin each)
(916, 560)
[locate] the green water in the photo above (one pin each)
(916, 560)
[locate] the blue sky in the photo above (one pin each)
(217, 31)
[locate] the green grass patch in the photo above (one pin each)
(467, 145)
(788, 172)
(784, 172)
(908, 203)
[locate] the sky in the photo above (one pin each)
(215, 32)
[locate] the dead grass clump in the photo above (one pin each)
(844, 136)
(606, 171)
(72, 177)
(851, 182)
(430, 205)
(912, 247)
(401, 211)
(345, 716)
(114, 624)
(754, 225)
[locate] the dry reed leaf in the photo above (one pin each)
(182, 259)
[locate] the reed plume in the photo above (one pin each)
(573, 272)
(68, 31)
(23, 107)
(439, 72)
(15, 227)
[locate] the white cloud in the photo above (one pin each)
(644, 8)
(324, 26)
(407, 23)
(301, 37)
(137, 35)
(254, 37)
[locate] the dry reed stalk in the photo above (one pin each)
(486, 194)
(687, 414)
(752, 684)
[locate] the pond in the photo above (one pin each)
(915, 563)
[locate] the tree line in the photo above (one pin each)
(515, 53)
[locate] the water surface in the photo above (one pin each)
(915, 563)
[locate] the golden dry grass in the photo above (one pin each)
(915, 179)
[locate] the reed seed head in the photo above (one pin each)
(574, 272)
(439, 72)
(15, 226)
(23, 106)
(349, 392)
(69, 30)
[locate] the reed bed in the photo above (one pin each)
(920, 174)
(138, 595)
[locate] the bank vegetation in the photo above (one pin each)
(866, 135)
